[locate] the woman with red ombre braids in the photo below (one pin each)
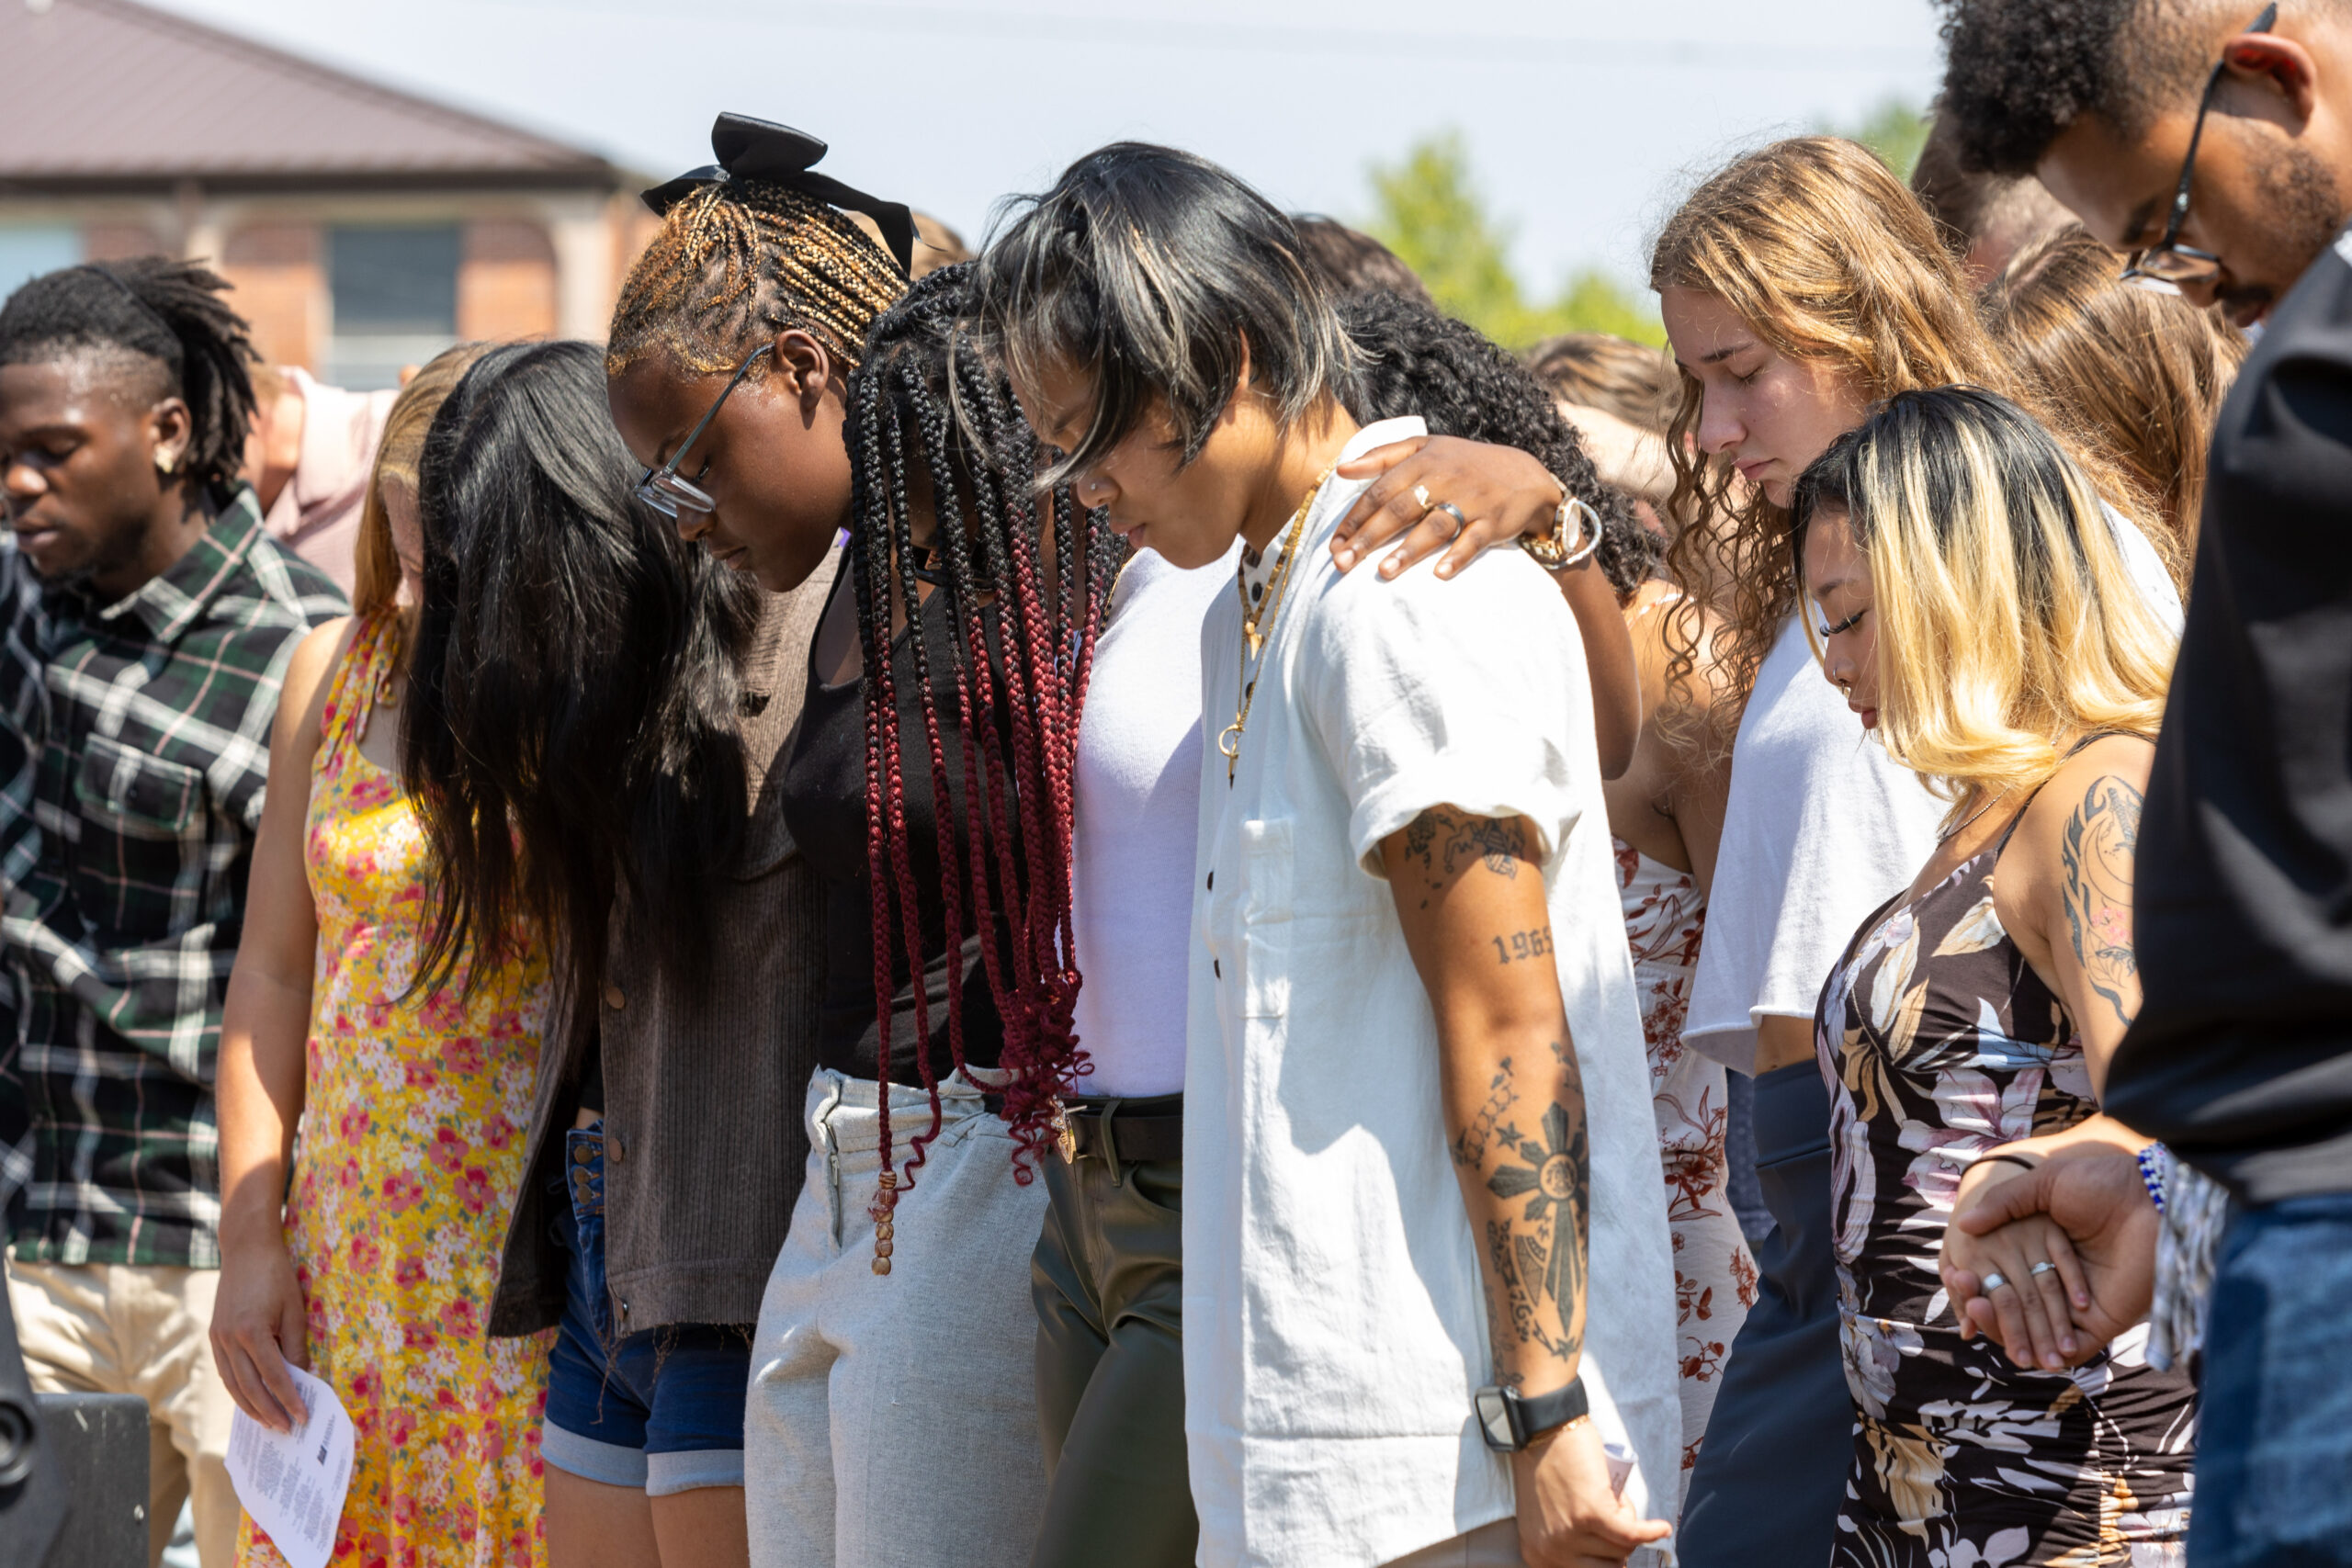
(930, 788)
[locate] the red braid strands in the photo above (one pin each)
(926, 404)
(1039, 1018)
(880, 765)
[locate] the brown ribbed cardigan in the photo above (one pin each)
(704, 1147)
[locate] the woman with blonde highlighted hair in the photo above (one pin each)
(1976, 613)
(1799, 285)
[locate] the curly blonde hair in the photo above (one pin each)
(1827, 257)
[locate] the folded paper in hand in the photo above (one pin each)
(293, 1483)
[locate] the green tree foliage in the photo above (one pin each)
(1428, 211)
(1894, 131)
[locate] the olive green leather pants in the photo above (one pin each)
(1106, 1279)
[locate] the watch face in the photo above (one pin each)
(1494, 1421)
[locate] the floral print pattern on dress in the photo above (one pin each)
(1940, 1042)
(406, 1165)
(1714, 1276)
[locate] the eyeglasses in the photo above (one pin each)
(2170, 261)
(662, 489)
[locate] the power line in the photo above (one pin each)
(1169, 32)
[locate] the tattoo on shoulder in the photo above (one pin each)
(2096, 853)
(1446, 842)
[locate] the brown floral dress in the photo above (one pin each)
(1940, 1042)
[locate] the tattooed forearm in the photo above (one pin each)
(1511, 1311)
(1470, 1143)
(1536, 1244)
(2101, 839)
(1444, 842)
(1537, 943)
(1513, 1105)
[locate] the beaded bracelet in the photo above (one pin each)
(2152, 1174)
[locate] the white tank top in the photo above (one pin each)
(1135, 817)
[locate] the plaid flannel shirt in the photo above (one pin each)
(149, 750)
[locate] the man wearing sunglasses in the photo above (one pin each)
(2213, 141)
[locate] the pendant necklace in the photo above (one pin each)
(1256, 624)
(1962, 826)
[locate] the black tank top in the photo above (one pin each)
(824, 805)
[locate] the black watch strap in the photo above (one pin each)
(1509, 1423)
(1557, 1408)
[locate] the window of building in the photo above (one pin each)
(395, 298)
(28, 250)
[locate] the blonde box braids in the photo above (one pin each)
(739, 261)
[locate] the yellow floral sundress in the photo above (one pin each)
(406, 1168)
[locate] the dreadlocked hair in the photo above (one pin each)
(927, 411)
(1416, 360)
(739, 261)
(159, 310)
(575, 701)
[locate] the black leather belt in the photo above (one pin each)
(1115, 1130)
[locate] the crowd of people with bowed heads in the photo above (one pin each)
(1133, 901)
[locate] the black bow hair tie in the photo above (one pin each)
(750, 149)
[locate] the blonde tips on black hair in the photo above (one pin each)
(1161, 276)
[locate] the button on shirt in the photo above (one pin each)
(1334, 1324)
(152, 743)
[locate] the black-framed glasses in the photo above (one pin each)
(2169, 261)
(662, 489)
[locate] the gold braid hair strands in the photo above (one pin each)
(744, 260)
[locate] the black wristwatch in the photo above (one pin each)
(1509, 1422)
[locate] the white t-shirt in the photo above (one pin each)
(1138, 814)
(1822, 827)
(1334, 1324)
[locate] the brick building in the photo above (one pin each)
(364, 228)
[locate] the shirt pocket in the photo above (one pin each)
(142, 821)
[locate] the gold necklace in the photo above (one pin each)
(1256, 623)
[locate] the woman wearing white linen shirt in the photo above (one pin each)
(1338, 1286)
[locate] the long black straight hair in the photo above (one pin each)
(575, 691)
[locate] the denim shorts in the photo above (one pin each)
(661, 1410)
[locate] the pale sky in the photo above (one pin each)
(1584, 121)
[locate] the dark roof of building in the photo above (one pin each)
(108, 93)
